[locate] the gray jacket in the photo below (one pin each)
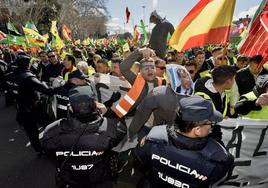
(163, 102)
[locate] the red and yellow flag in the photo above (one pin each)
(208, 22)
(66, 32)
(255, 41)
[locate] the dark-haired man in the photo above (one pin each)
(215, 88)
(54, 68)
(183, 154)
(246, 77)
(158, 40)
(69, 66)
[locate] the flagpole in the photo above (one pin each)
(8, 40)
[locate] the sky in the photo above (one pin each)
(173, 10)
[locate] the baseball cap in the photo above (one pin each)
(82, 99)
(196, 108)
(77, 74)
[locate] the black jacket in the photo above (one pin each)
(88, 164)
(53, 70)
(26, 87)
(173, 159)
(245, 81)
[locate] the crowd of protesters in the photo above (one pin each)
(172, 131)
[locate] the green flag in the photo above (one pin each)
(11, 27)
(13, 40)
(145, 35)
(30, 25)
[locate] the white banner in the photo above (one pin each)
(247, 141)
(104, 85)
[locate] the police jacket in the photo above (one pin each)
(174, 160)
(88, 162)
(26, 86)
(62, 97)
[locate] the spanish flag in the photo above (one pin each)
(208, 22)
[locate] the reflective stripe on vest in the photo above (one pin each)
(129, 99)
(206, 96)
(205, 73)
(256, 114)
(62, 107)
(125, 104)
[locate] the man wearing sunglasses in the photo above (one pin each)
(183, 154)
(160, 67)
(55, 67)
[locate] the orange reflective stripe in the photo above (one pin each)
(130, 98)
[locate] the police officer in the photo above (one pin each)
(183, 155)
(25, 86)
(80, 144)
(76, 78)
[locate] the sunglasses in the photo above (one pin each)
(51, 56)
(161, 68)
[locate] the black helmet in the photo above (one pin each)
(82, 101)
(23, 60)
(261, 84)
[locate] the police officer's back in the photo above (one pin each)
(81, 143)
(182, 155)
(26, 88)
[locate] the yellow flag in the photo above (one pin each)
(54, 31)
(126, 47)
(34, 37)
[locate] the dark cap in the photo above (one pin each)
(77, 74)
(196, 108)
(256, 58)
(82, 99)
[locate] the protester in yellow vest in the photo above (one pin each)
(142, 83)
(254, 105)
(215, 88)
(69, 66)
